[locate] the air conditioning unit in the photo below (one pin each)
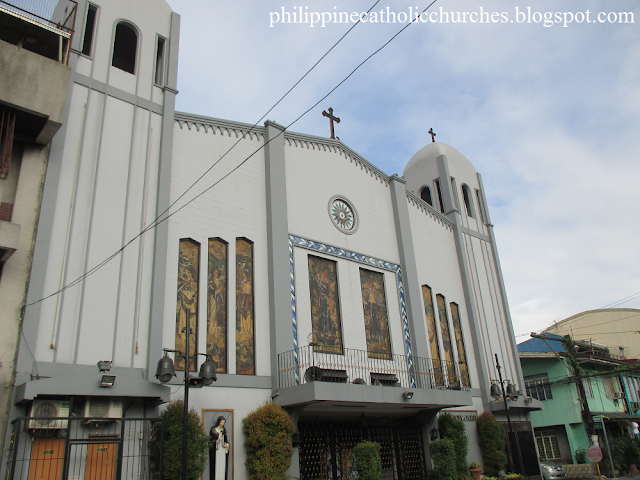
(617, 395)
(101, 408)
(635, 406)
(41, 409)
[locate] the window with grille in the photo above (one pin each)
(612, 388)
(586, 383)
(538, 386)
(548, 445)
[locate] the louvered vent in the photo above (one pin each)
(99, 407)
(45, 409)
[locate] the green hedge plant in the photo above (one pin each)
(268, 440)
(493, 443)
(198, 442)
(453, 429)
(444, 460)
(368, 462)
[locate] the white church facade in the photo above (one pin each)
(363, 303)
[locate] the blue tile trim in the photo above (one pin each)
(356, 257)
(293, 313)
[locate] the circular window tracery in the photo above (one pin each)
(343, 215)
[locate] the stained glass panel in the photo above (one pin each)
(376, 320)
(325, 305)
(446, 338)
(217, 304)
(433, 335)
(245, 342)
(462, 353)
(187, 304)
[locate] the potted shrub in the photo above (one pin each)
(475, 470)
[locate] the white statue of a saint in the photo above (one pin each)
(219, 451)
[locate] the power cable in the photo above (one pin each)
(159, 220)
(598, 310)
(263, 116)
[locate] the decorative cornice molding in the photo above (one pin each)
(429, 210)
(312, 142)
(299, 140)
(217, 125)
(275, 124)
(473, 233)
(396, 178)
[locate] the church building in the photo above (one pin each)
(363, 303)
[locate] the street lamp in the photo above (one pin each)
(512, 393)
(207, 375)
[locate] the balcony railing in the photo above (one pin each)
(44, 27)
(344, 365)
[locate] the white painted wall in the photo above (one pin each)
(438, 267)
(151, 18)
(313, 177)
(488, 302)
(234, 208)
(106, 195)
(241, 401)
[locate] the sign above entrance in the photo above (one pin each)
(594, 454)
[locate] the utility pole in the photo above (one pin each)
(570, 347)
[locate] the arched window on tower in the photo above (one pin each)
(125, 47)
(466, 195)
(425, 194)
(439, 191)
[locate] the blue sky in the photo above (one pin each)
(550, 116)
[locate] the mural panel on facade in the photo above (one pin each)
(245, 342)
(187, 305)
(462, 354)
(325, 305)
(376, 320)
(433, 334)
(217, 304)
(446, 337)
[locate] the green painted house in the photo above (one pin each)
(560, 428)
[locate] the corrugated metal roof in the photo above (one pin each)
(618, 416)
(539, 345)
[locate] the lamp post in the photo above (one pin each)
(166, 371)
(511, 393)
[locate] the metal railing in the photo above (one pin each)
(78, 448)
(44, 27)
(347, 365)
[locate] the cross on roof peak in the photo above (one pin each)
(331, 120)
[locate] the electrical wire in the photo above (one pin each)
(266, 113)
(598, 310)
(160, 220)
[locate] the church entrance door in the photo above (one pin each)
(327, 450)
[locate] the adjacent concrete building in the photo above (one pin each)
(616, 327)
(560, 428)
(33, 91)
